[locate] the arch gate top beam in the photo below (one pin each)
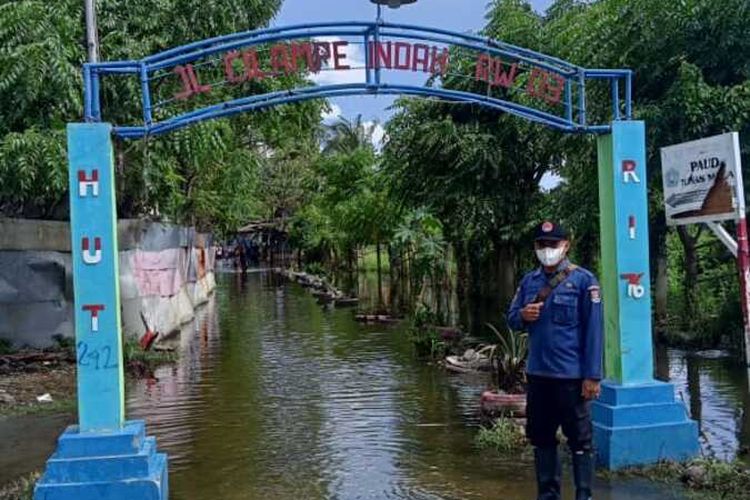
(220, 76)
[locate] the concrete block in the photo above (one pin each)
(642, 424)
(116, 465)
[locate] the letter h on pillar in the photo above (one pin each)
(104, 456)
(637, 419)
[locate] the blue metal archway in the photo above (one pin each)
(571, 115)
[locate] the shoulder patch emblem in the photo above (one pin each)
(596, 294)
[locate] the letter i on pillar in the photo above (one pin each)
(631, 227)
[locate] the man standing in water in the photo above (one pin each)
(559, 304)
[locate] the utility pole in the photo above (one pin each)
(92, 36)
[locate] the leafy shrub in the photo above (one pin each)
(424, 334)
(64, 343)
(5, 347)
(316, 269)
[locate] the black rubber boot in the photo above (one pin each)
(547, 473)
(583, 474)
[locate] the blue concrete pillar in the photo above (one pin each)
(104, 456)
(637, 419)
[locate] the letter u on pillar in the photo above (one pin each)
(90, 257)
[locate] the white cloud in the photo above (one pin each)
(378, 134)
(550, 181)
(355, 58)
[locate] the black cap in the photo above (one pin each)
(548, 230)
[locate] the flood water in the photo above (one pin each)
(276, 398)
(714, 387)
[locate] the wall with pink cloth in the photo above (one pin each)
(166, 272)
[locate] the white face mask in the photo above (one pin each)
(550, 257)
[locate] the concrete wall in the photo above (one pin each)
(166, 272)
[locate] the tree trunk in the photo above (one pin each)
(395, 281)
(661, 290)
(506, 274)
(477, 271)
(380, 276)
(462, 282)
(691, 275)
(659, 262)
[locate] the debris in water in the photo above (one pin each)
(44, 398)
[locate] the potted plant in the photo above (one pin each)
(508, 364)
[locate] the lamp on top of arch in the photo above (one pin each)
(393, 4)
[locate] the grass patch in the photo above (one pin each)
(133, 353)
(57, 407)
(704, 478)
(505, 436)
(20, 489)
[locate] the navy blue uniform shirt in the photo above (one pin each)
(566, 341)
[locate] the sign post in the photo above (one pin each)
(703, 184)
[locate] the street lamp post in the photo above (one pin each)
(92, 37)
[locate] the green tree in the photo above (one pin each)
(205, 175)
(691, 63)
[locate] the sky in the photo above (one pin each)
(455, 15)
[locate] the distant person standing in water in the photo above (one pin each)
(560, 305)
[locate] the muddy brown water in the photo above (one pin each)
(275, 397)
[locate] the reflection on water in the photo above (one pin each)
(26, 443)
(276, 398)
(716, 391)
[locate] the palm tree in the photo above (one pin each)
(345, 136)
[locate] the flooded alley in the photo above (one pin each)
(275, 397)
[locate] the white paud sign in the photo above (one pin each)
(702, 179)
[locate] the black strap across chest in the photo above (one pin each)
(558, 278)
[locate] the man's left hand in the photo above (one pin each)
(591, 389)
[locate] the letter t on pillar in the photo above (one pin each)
(101, 403)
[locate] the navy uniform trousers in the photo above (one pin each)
(552, 403)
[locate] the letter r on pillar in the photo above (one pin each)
(629, 172)
(90, 257)
(84, 183)
(94, 309)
